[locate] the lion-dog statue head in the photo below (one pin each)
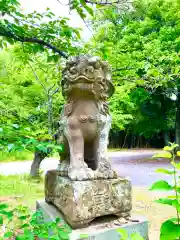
(85, 75)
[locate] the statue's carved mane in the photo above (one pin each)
(95, 76)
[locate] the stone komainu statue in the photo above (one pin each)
(85, 120)
(84, 127)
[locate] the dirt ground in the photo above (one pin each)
(143, 204)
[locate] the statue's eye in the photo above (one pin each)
(90, 69)
(73, 70)
(97, 65)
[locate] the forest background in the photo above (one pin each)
(141, 41)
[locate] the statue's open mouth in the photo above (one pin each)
(82, 79)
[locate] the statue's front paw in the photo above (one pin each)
(105, 174)
(105, 170)
(80, 174)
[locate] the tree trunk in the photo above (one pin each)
(39, 156)
(177, 124)
(35, 166)
(166, 138)
(124, 143)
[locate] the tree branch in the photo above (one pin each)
(48, 45)
(50, 88)
(101, 3)
(106, 2)
(5, 33)
(38, 80)
(64, 4)
(55, 91)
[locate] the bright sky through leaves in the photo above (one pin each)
(59, 10)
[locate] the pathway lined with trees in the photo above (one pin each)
(137, 165)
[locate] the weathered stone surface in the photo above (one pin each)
(85, 120)
(85, 186)
(83, 201)
(101, 229)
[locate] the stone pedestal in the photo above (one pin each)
(83, 201)
(105, 228)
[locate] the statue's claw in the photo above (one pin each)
(80, 174)
(105, 170)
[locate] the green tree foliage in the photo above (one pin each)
(30, 101)
(24, 87)
(143, 44)
(44, 31)
(31, 75)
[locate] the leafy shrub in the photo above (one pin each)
(170, 229)
(19, 224)
(15, 138)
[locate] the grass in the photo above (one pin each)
(15, 156)
(19, 189)
(27, 155)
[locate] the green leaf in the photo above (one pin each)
(63, 235)
(11, 146)
(9, 214)
(163, 155)
(67, 32)
(84, 236)
(167, 148)
(174, 145)
(176, 165)
(43, 235)
(178, 153)
(58, 220)
(23, 217)
(123, 233)
(89, 10)
(161, 185)
(99, 6)
(1, 220)
(140, 82)
(165, 171)
(8, 234)
(171, 196)
(27, 129)
(25, 225)
(59, 147)
(3, 206)
(21, 237)
(77, 34)
(29, 234)
(81, 14)
(169, 230)
(170, 202)
(41, 148)
(15, 126)
(136, 236)
(83, 3)
(173, 220)
(50, 145)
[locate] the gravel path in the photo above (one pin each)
(137, 165)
